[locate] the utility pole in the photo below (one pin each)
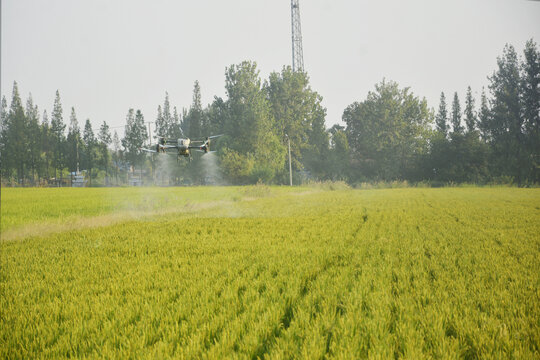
(290, 165)
(77, 145)
(297, 50)
(150, 131)
(153, 158)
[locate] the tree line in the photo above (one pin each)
(391, 135)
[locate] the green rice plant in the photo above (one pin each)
(304, 273)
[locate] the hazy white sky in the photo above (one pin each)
(106, 56)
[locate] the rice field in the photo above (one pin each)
(270, 272)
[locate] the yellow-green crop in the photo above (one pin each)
(271, 273)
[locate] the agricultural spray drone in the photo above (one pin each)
(182, 147)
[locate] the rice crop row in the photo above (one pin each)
(269, 273)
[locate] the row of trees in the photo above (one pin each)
(257, 117)
(38, 152)
(502, 138)
(392, 135)
(33, 150)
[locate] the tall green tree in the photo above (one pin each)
(161, 126)
(338, 157)
(530, 100)
(484, 118)
(441, 120)
(387, 133)
(175, 128)
(3, 119)
(116, 155)
(57, 136)
(457, 128)
(73, 143)
(46, 147)
(253, 151)
(316, 156)
(104, 140)
(134, 137)
(193, 123)
(165, 121)
(33, 136)
(506, 120)
(298, 113)
(167, 116)
(3, 123)
(463, 157)
(90, 149)
(216, 116)
(464, 160)
(16, 139)
(436, 167)
(470, 115)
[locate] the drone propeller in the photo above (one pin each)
(207, 138)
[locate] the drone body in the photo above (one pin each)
(182, 147)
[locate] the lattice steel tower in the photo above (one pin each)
(297, 51)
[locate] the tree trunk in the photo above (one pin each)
(20, 179)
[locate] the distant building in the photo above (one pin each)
(135, 178)
(77, 179)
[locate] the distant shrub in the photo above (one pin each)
(502, 180)
(396, 184)
(329, 185)
(258, 190)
